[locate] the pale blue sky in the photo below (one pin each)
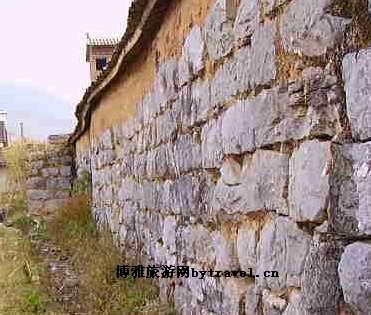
(43, 41)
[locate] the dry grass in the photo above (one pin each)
(22, 276)
(95, 258)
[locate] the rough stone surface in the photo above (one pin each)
(238, 156)
(309, 29)
(247, 19)
(351, 186)
(218, 31)
(357, 78)
(355, 276)
(282, 247)
(50, 182)
(264, 181)
(320, 281)
(309, 181)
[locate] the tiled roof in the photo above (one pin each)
(145, 17)
(102, 41)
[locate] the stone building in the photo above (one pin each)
(99, 52)
(232, 135)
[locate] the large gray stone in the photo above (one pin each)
(49, 172)
(231, 172)
(187, 154)
(36, 183)
(357, 78)
(351, 189)
(264, 181)
(282, 247)
(218, 31)
(211, 145)
(238, 129)
(307, 27)
(248, 68)
(194, 50)
(58, 183)
(355, 276)
(225, 251)
(320, 282)
(39, 195)
(247, 239)
(234, 291)
(166, 84)
(270, 5)
(295, 303)
(309, 188)
(247, 19)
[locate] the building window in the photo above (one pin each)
(101, 64)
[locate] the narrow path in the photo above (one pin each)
(63, 279)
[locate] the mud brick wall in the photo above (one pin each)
(49, 179)
(252, 150)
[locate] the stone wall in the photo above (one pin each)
(253, 150)
(49, 180)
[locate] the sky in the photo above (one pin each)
(42, 43)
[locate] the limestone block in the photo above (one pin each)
(196, 243)
(264, 181)
(34, 207)
(167, 82)
(320, 281)
(39, 195)
(355, 277)
(247, 19)
(65, 171)
(182, 299)
(187, 154)
(356, 75)
(106, 140)
(308, 28)
(224, 84)
(351, 187)
(252, 300)
(262, 67)
(36, 183)
(237, 130)
(246, 247)
(309, 187)
(272, 304)
(270, 5)
(169, 234)
(200, 98)
(186, 196)
(194, 50)
(234, 291)
(225, 251)
(139, 167)
(58, 183)
(282, 247)
(49, 172)
(295, 304)
(165, 128)
(211, 145)
(218, 31)
(62, 194)
(248, 68)
(231, 172)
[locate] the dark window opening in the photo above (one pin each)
(101, 64)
